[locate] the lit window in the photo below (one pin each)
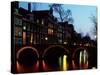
(18, 31)
(20, 22)
(31, 38)
(60, 41)
(65, 42)
(37, 21)
(24, 37)
(50, 31)
(42, 21)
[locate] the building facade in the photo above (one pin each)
(39, 27)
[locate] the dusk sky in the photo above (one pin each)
(80, 13)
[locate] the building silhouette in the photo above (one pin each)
(39, 27)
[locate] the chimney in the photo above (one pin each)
(51, 10)
(29, 7)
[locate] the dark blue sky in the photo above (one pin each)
(80, 13)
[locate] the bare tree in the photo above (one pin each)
(64, 15)
(94, 21)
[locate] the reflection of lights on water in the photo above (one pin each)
(63, 63)
(60, 63)
(36, 66)
(73, 64)
(18, 66)
(83, 58)
(44, 66)
(21, 68)
(80, 58)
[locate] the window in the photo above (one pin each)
(31, 17)
(59, 29)
(18, 31)
(37, 39)
(16, 11)
(18, 41)
(31, 40)
(42, 21)
(28, 34)
(59, 35)
(37, 20)
(24, 37)
(38, 29)
(50, 31)
(60, 40)
(31, 28)
(50, 25)
(17, 21)
(28, 27)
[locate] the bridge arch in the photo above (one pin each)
(80, 58)
(57, 57)
(78, 49)
(27, 56)
(23, 48)
(53, 46)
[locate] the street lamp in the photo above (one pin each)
(65, 42)
(46, 38)
(24, 27)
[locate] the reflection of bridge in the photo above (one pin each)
(51, 53)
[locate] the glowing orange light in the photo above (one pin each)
(19, 67)
(24, 37)
(31, 38)
(73, 64)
